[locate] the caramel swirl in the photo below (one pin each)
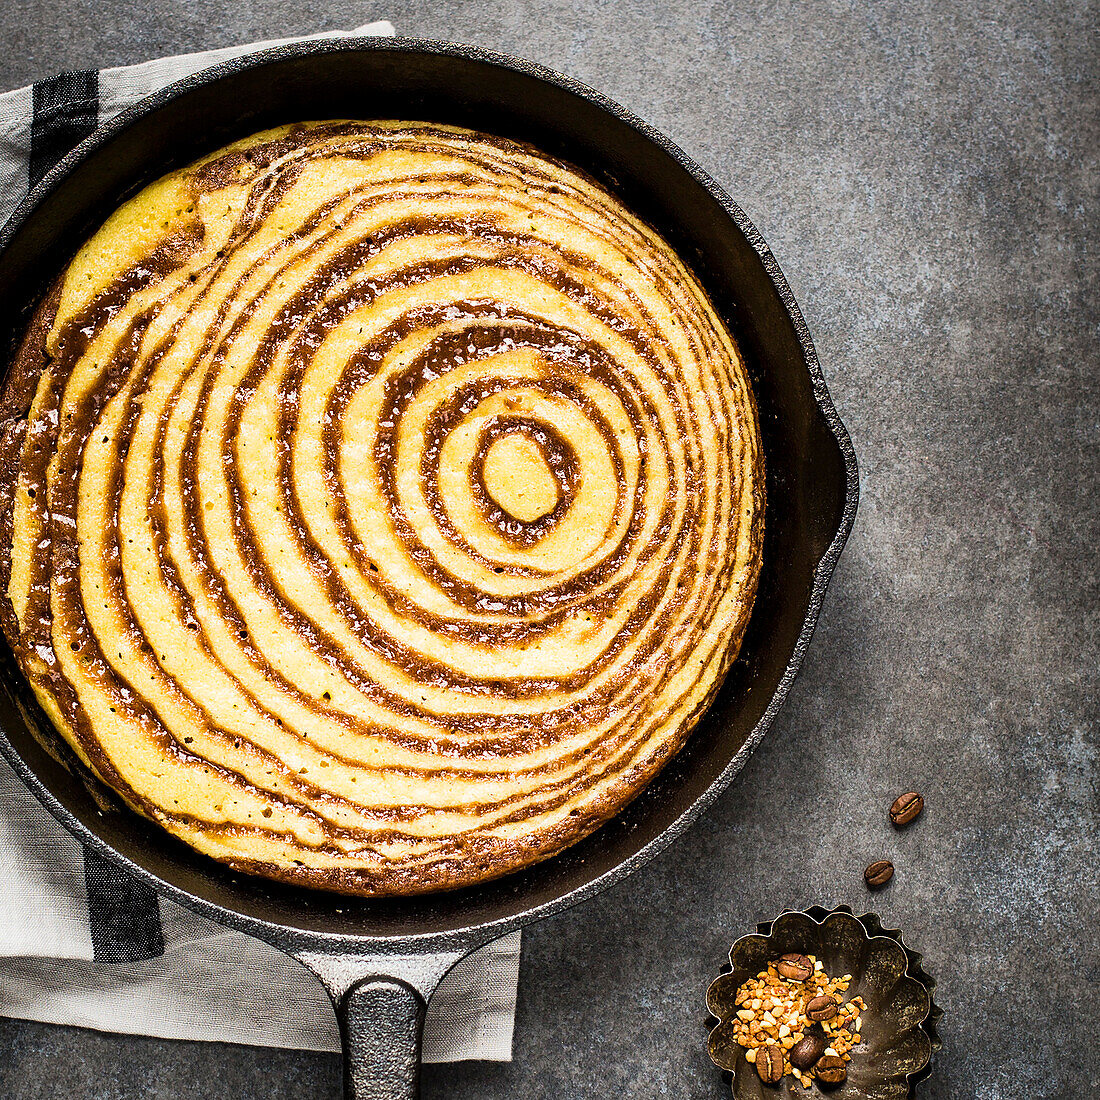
(383, 504)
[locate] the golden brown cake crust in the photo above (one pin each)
(381, 505)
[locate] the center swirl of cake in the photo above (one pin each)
(519, 478)
(390, 505)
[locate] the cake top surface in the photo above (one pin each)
(384, 504)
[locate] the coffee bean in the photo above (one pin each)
(831, 1070)
(821, 1008)
(796, 967)
(769, 1063)
(906, 807)
(878, 873)
(806, 1051)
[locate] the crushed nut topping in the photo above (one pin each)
(771, 1011)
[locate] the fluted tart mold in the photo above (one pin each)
(899, 1026)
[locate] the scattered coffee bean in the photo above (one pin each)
(796, 967)
(806, 1051)
(878, 873)
(769, 1064)
(906, 807)
(831, 1070)
(821, 1008)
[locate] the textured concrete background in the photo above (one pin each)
(926, 173)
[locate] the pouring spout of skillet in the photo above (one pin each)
(381, 958)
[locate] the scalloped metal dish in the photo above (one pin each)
(900, 1025)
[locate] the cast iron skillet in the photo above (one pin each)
(381, 960)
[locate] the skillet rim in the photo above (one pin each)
(463, 935)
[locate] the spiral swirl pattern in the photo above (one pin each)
(384, 505)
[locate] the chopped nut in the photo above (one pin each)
(776, 1015)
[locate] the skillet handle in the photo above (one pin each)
(380, 1003)
(381, 1027)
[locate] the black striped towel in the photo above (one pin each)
(81, 941)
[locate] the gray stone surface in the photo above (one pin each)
(926, 173)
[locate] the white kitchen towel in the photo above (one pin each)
(83, 943)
